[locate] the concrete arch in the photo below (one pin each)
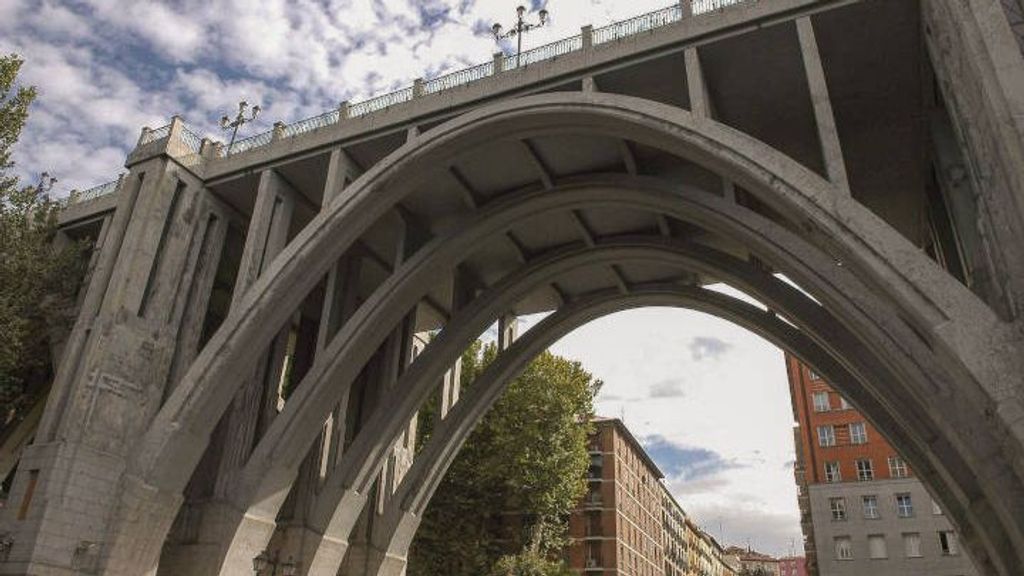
(952, 322)
(394, 532)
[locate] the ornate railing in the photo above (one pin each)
(310, 124)
(380, 102)
(544, 53)
(192, 140)
(154, 135)
(705, 6)
(94, 192)
(612, 32)
(255, 141)
(459, 78)
(642, 23)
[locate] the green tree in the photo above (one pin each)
(529, 563)
(39, 278)
(504, 502)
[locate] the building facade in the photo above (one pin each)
(792, 566)
(628, 523)
(862, 509)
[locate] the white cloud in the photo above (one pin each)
(737, 408)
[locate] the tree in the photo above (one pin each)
(502, 507)
(40, 278)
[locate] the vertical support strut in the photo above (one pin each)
(828, 136)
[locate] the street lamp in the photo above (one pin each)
(233, 125)
(521, 26)
(46, 183)
(261, 563)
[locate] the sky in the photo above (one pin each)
(708, 400)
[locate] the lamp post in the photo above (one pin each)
(46, 183)
(233, 125)
(521, 26)
(261, 563)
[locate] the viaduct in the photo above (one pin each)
(250, 351)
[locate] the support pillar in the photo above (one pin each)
(109, 385)
(828, 136)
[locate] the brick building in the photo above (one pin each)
(792, 566)
(628, 523)
(862, 509)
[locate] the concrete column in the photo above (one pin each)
(828, 136)
(253, 406)
(110, 384)
(700, 102)
(508, 331)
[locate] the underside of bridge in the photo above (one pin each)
(260, 330)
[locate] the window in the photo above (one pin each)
(844, 548)
(838, 507)
(935, 508)
(832, 472)
(912, 544)
(904, 506)
(826, 436)
(843, 404)
(821, 403)
(813, 375)
(858, 433)
(947, 542)
(870, 504)
(897, 467)
(865, 470)
(876, 546)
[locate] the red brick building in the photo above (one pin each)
(617, 529)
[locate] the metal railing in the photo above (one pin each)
(638, 24)
(705, 6)
(192, 140)
(93, 193)
(380, 102)
(544, 53)
(255, 141)
(610, 33)
(310, 124)
(459, 78)
(156, 134)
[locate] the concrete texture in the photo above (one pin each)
(167, 443)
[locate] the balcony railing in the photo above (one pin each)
(154, 135)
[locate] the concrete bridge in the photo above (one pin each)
(248, 363)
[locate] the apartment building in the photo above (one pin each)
(862, 509)
(628, 523)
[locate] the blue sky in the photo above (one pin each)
(709, 400)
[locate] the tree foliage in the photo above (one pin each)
(502, 507)
(39, 278)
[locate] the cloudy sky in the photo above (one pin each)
(708, 399)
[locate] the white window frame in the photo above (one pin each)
(858, 433)
(897, 467)
(875, 514)
(904, 511)
(844, 548)
(837, 506)
(865, 470)
(819, 406)
(826, 436)
(947, 543)
(837, 477)
(843, 404)
(909, 537)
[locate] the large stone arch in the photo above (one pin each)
(393, 534)
(941, 337)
